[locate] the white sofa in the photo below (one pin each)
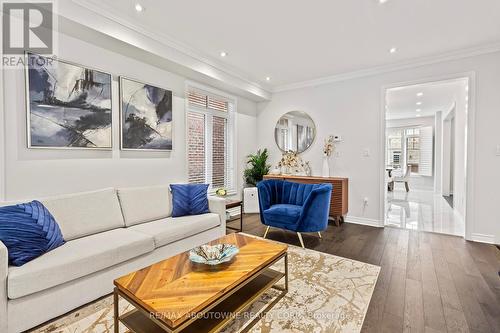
(108, 233)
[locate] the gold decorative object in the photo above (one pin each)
(329, 146)
(292, 164)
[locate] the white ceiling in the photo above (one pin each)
(293, 41)
(401, 102)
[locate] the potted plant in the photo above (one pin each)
(257, 167)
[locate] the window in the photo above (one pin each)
(411, 146)
(394, 148)
(412, 131)
(281, 134)
(413, 152)
(210, 122)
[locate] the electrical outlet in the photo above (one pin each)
(498, 150)
(365, 201)
(366, 152)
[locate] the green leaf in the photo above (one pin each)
(257, 167)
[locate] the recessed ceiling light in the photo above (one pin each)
(418, 115)
(223, 54)
(139, 7)
(420, 94)
(382, 1)
(268, 78)
(419, 103)
(393, 50)
(418, 110)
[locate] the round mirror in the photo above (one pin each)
(295, 131)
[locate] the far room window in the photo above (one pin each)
(395, 148)
(413, 148)
(210, 137)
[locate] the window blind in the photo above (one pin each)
(210, 139)
(205, 100)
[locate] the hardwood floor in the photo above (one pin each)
(428, 282)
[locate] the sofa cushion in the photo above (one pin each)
(169, 230)
(283, 213)
(144, 204)
(75, 259)
(28, 230)
(86, 213)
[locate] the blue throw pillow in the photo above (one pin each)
(189, 199)
(28, 230)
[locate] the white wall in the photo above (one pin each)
(447, 157)
(246, 134)
(352, 108)
(41, 172)
(460, 153)
(409, 122)
(438, 152)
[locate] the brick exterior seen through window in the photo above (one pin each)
(196, 147)
(219, 150)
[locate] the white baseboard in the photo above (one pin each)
(363, 221)
(482, 238)
(490, 239)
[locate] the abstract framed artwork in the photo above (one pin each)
(68, 105)
(145, 116)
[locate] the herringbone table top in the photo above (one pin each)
(175, 288)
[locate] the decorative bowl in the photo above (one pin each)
(213, 254)
(221, 192)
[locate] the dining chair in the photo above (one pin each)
(405, 178)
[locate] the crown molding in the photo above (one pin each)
(423, 61)
(216, 69)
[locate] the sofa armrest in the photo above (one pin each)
(218, 206)
(4, 271)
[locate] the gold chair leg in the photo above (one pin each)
(319, 234)
(267, 230)
(300, 239)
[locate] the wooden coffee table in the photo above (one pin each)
(176, 295)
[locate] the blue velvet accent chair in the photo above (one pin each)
(294, 206)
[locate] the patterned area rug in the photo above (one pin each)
(326, 294)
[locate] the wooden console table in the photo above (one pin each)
(339, 203)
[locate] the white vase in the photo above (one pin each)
(326, 167)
